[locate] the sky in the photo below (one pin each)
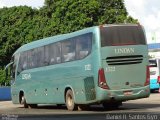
(148, 14)
(146, 11)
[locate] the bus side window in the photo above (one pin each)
(34, 58)
(40, 57)
(68, 50)
(52, 58)
(22, 62)
(46, 54)
(29, 61)
(58, 52)
(83, 46)
(52, 54)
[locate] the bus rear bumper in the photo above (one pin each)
(123, 95)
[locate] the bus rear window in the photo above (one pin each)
(122, 35)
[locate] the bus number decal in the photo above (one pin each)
(88, 67)
(110, 69)
(26, 76)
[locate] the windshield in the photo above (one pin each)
(122, 35)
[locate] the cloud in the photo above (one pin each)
(148, 14)
(134, 6)
(152, 22)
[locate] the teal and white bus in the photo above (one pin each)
(105, 64)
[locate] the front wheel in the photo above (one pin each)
(70, 100)
(23, 102)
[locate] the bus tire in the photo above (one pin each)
(70, 101)
(23, 102)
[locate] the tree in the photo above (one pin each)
(3, 81)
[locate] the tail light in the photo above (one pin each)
(101, 79)
(147, 82)
(158, 79)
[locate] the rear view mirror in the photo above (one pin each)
(6, 76)
(6, 70)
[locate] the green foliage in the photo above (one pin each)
(3, 81)
(22, 24)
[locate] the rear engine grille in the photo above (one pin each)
(124, 60)
(89, 88)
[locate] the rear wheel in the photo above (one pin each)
(70, 100)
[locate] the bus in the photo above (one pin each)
(154, 74)
(106, 64)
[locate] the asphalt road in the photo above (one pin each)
(142, 109)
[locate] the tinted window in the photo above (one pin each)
(57, 53)
(40, 56)
(34, 58)
(29, 61)
(47, 55)
(83, 45)
(68, 50)
(22, 62)
(122, 35)
(53, 54)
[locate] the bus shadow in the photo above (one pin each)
(140, 105)
(54, 107)
(128, 107)
(99, 108)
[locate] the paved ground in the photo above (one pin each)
(145, 109)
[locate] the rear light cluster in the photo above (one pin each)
(147, 76)
(101, 79)
(158, 79)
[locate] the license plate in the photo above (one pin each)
(128, 93)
